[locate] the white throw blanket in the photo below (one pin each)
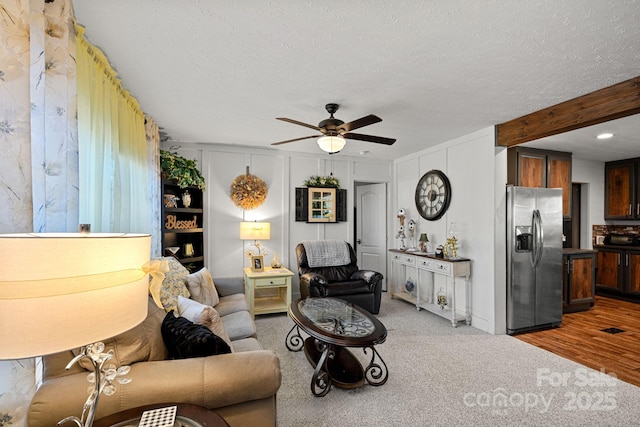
(327, 253)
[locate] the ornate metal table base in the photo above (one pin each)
(294, 340)
(337, 365)
(376, 374)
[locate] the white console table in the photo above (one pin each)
(424, 296)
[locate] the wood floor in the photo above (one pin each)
(581, 339)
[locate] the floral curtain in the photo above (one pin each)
(114, 175)
(15, 180)
(38, 183)
(38, 139)
(54, 128)
(155, 190)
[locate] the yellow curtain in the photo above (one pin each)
(114, 175)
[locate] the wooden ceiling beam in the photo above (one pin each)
(610, 103)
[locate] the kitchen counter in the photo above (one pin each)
(621, 247)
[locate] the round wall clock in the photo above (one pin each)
(433, 194)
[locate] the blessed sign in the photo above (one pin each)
(172, 223)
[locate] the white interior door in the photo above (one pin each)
(371, 228)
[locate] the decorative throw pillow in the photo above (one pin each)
(201, 314)
(173, 285)
(185, 339)
(135, 345)
(202, 288)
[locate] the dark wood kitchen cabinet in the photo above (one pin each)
(579, 279)
(622, 189)
(618, 271)
(609, 270)
(633, 273)
(530, 167)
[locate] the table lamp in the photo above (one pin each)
(255, 231)
(61, 291)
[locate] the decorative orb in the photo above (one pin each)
(248, 191)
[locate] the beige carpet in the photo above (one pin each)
(444, 376)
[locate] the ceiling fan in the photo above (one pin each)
(334, 131)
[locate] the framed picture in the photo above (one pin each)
(257, 263)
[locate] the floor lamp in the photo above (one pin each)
(88, 287)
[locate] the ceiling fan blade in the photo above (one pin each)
(295, 122)
(361, 122)
(296, 139)
(370, 138)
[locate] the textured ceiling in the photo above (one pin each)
(220, 71)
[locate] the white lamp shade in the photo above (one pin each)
(255, 230)
(331, 144)
(60, 291)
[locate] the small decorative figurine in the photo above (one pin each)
(412, 227)
(439, 253)
(171, 201)
(275, 262)
(401, 235)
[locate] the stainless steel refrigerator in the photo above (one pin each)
(534, 258)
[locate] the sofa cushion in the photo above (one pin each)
(174, 284)
(202, 288)
(201, 314)
(246, 344)
(138, 344)
(184, 339)
(239, 325)
(232, 304)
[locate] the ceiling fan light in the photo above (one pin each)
(331, 144)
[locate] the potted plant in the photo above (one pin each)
(322, 181)
(182, 171)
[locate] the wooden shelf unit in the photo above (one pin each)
(183, 226)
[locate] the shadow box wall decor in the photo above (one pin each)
(321, 204)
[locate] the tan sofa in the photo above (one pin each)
(240, 386)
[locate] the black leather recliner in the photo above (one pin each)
(360, 287)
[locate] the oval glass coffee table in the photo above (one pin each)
(333, 325)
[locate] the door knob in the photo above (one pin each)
(358, 241)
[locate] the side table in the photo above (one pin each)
(268, 291)
(424, 296)
(187, 415)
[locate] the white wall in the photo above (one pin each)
(474, 168)
(282, 172)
